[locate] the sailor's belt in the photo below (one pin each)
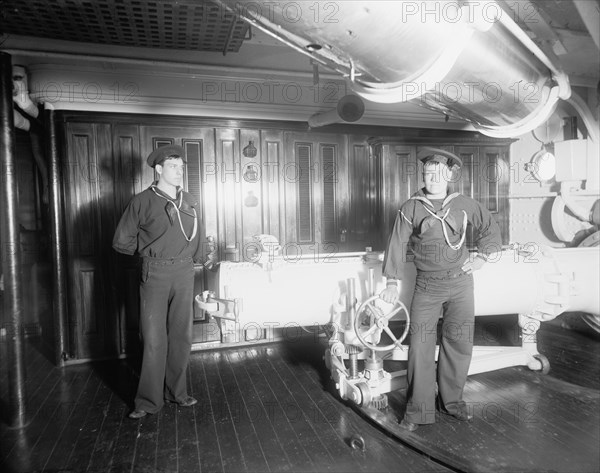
(445, 274)
(165, 261)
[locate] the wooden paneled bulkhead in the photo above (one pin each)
(335, 189)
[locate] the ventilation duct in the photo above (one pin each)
(464, 59)
(350, 108)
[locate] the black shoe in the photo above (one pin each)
(187, 402)
(410, 426)
(137, 414)
(459, 411)
(462, 414)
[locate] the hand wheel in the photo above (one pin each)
(378, 320)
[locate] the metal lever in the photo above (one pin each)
(218, 308)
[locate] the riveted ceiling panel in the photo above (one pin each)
(188, 25)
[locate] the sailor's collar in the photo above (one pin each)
(157, 190)
(422, 197)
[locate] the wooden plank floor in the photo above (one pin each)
(259, 410)
(523, 421)
(272, 408)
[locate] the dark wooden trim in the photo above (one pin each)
(428, 136)
(376, 134)
(58, 240)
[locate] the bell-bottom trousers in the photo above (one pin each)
(166, 316)
(452, 297)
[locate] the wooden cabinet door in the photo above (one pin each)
(399, 178)
(468, 182)
(315, 185)
(495, 180)
(484, 176)
(129, 171)
(90, 220)
(360, 217)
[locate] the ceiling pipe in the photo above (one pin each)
(350, 108)
(214, 70)
(466, 59)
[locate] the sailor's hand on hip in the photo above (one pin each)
(473, 264)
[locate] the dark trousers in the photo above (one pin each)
(166, 298)
(451, 296)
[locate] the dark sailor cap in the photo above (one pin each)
(439, 156)
(160, 154)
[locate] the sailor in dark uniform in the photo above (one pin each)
(432, 226)
(161, 225)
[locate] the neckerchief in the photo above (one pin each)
(176, 209)
(445, 219)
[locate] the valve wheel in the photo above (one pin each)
(379, 321)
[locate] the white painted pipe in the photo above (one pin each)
(543, 282)
(534, 281)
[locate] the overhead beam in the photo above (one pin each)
(590, 14)
(533, 19)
